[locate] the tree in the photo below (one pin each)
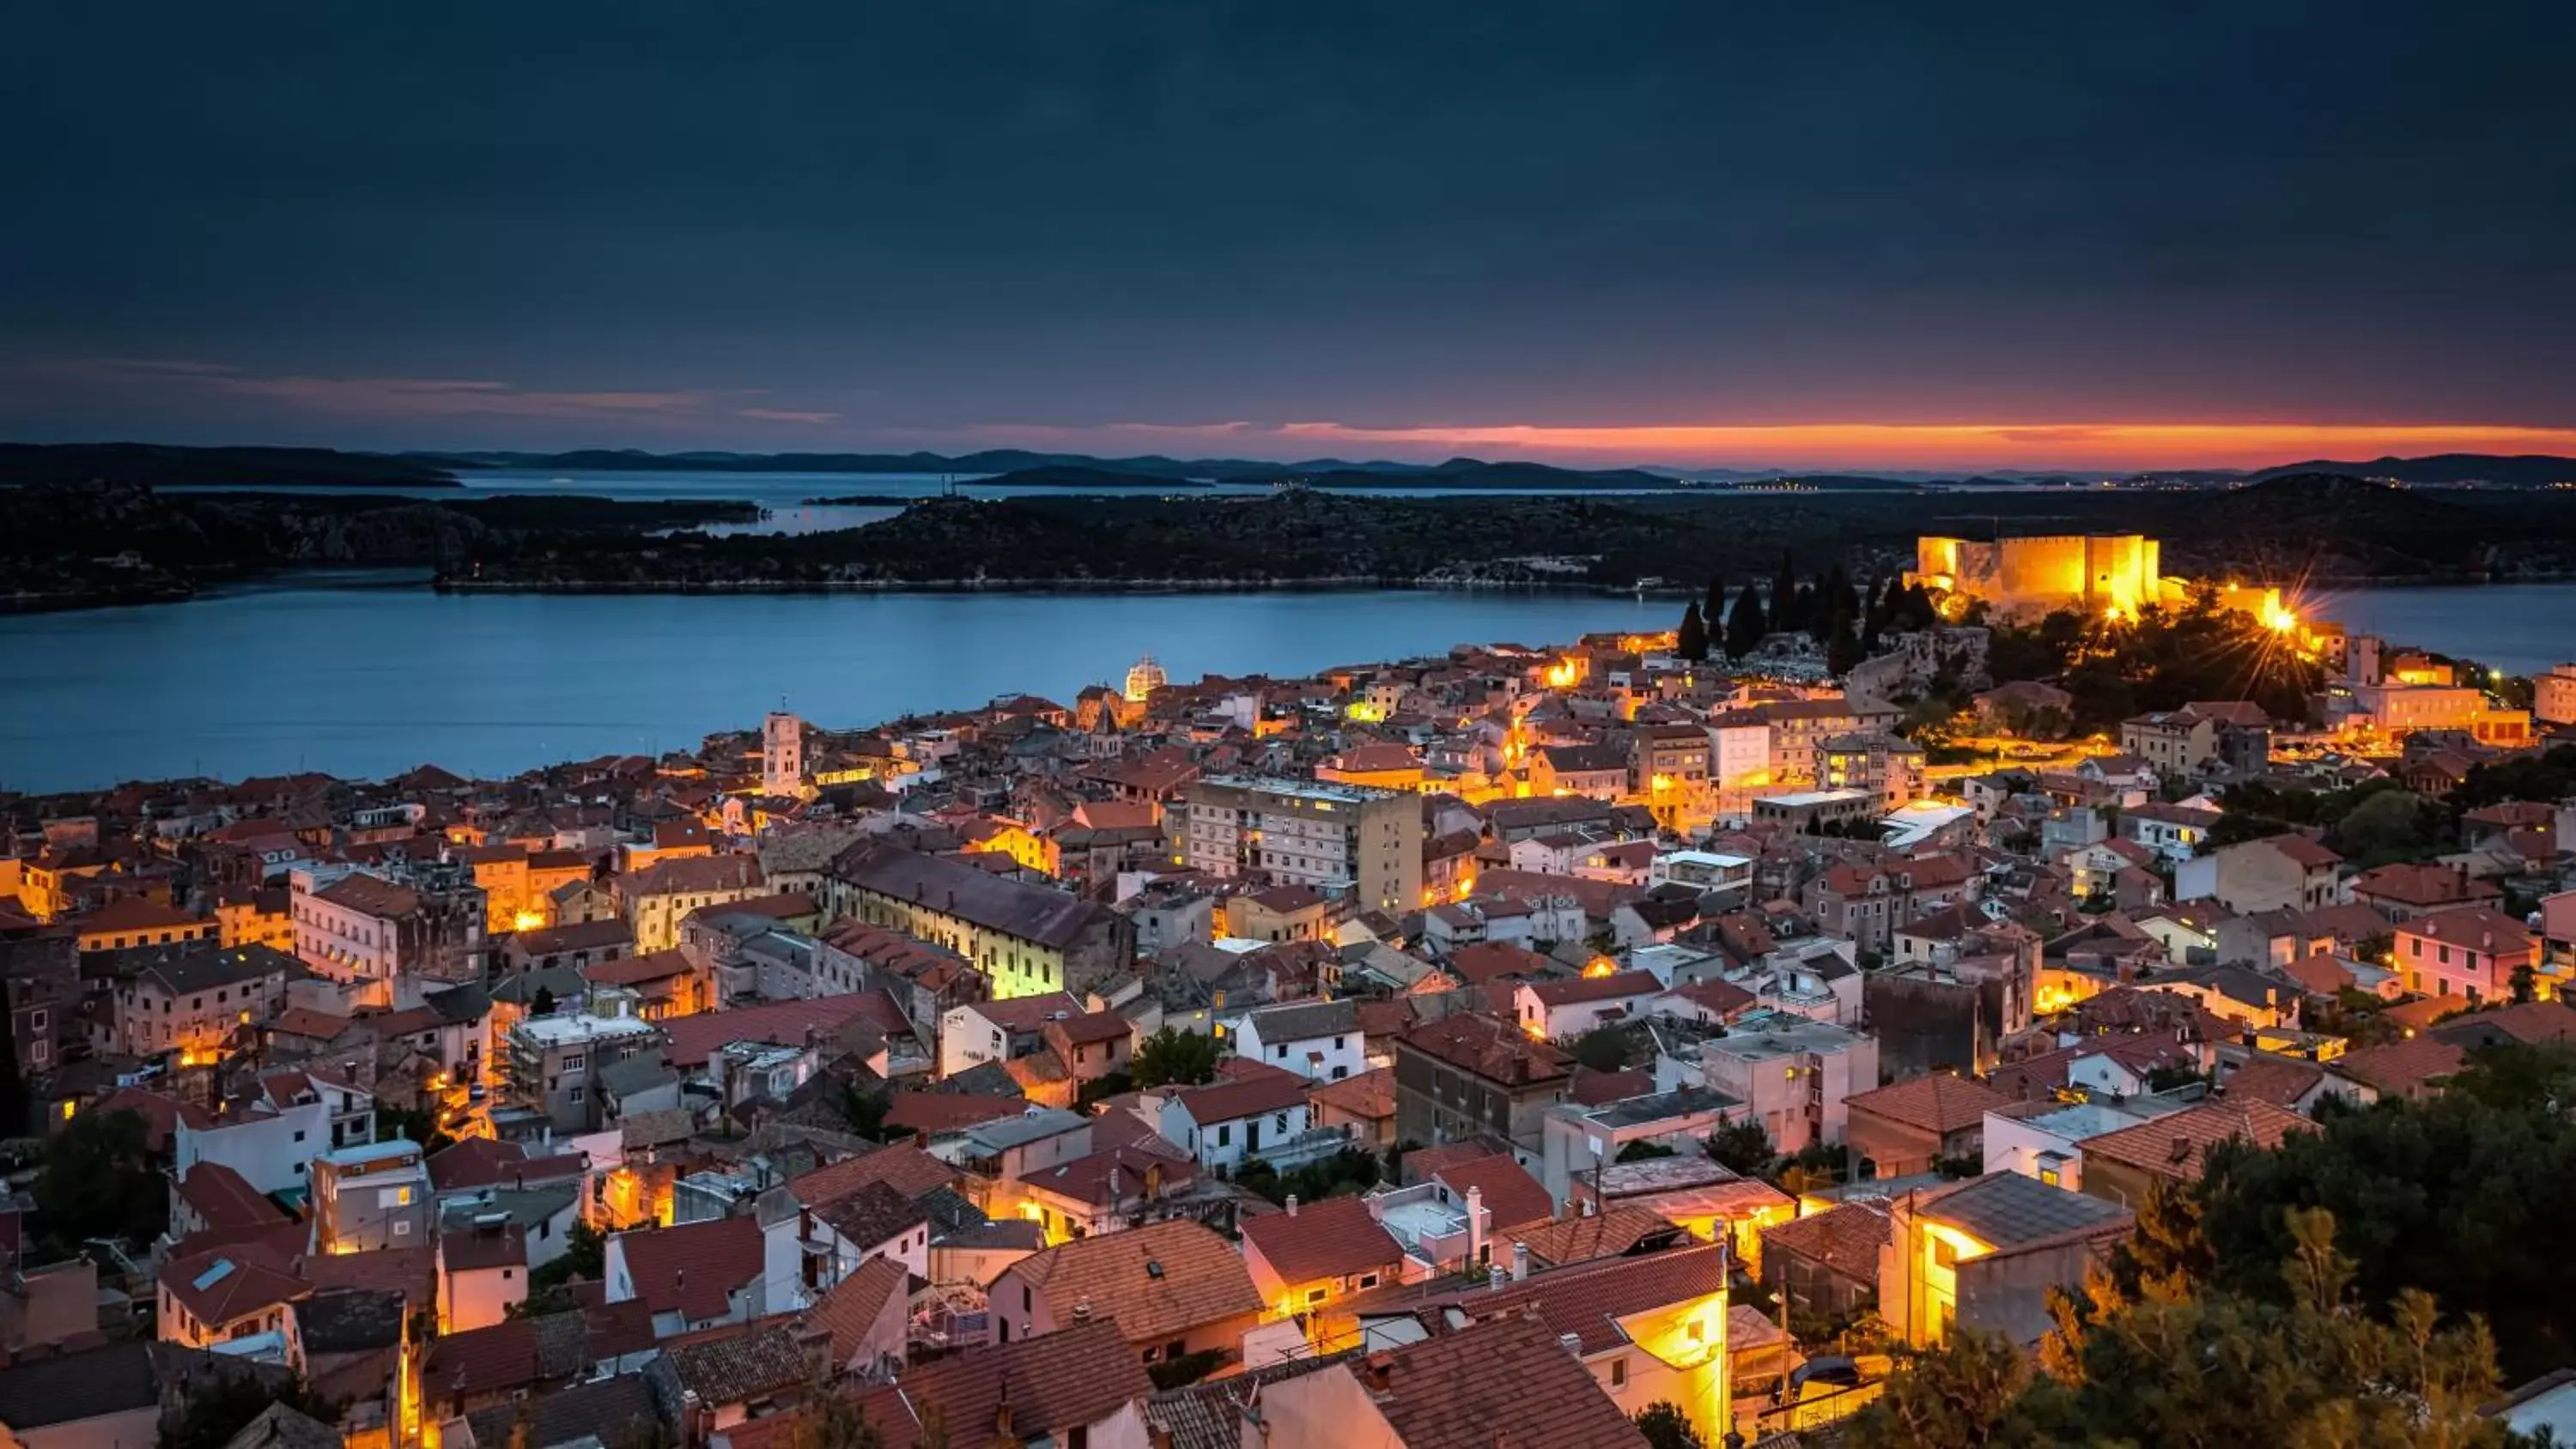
(1784, 596)
(1712, 610)
(543, 1003)
(1746, 624)
(1968, 1393)
(1843, 652)
(1667, 1427)
(2208, 1366)
(584, 1256)
(831, 1420)
(1690, 641)
(1603, 1049)
(418, 1125)
(1172, 1057)
(1642, 1150)
(865, 1111)
(224, 1401)
(2387, 825)
(1742, 1147)
(98, 1181)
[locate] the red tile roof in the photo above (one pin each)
(161, 1114)
(909, 1169)
(690, 1040)
(1580, 989)
(1512, 1197)
(948, 1111)
(1937, 1103)
(1054, 1382)
(1329, 1239)
(1507, 1382)
(851, 1307)
(2402, 1068)
(226, 1200)
(1159, 1281)
(693, 1268)
(1271, 1090)
(1845, 1239)
(1493, 1049)
(2177, 1145)
(489, 1162)
(492, 1359)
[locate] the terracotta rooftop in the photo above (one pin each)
(1488, 961)
(2408, 1068)
(1937, 1103)
(225, 1199)
(1369, 1096)
(692, 875)
(1158, 1281)
(2177, 1145)
(1512, 1197)
(1580, 989)
(693, 1268)
(1244, 1096)
(690, 1040)
(907, 1168)
(2422, 886)
(478, 1361)
(851, 1307)
(1329, 1239)
(489, 1162)
(750, 1362)
(2279, 1080)
(1491, 1048)
(1845, 1239)
(1508, 1382)
(1054, 1382)
(1038, 914)
(1615, 1233)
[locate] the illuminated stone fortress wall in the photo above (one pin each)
(2091, 573)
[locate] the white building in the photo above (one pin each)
(1226, 1122)
(1792, 1074)
(1320, 1041)
(272, 1151)
(1340, 839)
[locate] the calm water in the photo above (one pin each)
(367, 678)
(370, 674)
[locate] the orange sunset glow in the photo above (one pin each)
(1829, 445)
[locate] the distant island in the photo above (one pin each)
(1070, 476)
(153, 465)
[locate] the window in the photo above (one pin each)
(402, 1227)
(1314, 1296)
(1225, 1135)
(1619, 1372)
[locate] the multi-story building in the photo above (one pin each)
(1028, 939)
(2177, 742)
(367, 931)
(1341, 839)
(550, 1070)
(1797, 726)
(1792, 1075)
(371, 1196)
(2553, 695)
(2469, 951)
(1874, 760)
(1468, 1075)
(193, 1002)
(2276, 873)
(656, 899)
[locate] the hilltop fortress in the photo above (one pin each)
(2097, 573)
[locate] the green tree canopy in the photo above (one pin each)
(98, 1181)
(1172, 1057)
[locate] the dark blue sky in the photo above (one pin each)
(1131, 227)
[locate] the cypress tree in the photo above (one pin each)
(1713, 611)
(1745, 624)
(1784, 595)
(1691, 640)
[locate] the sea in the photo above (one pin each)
(367, 673)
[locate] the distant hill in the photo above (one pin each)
(1075, 475)
(159, 466)
(2528, 470)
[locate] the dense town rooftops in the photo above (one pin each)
(208, 967)
(1159, 1281)
(1046, 917)
(1937, 1103)
(1334, 1238)
(1493, 1049)
(370, 895)
(2006, 1210)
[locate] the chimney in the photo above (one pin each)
(1571, 1342)
(1113, 1182)
(1475, 1224)
(1520, 1262)
(1292, 1204)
